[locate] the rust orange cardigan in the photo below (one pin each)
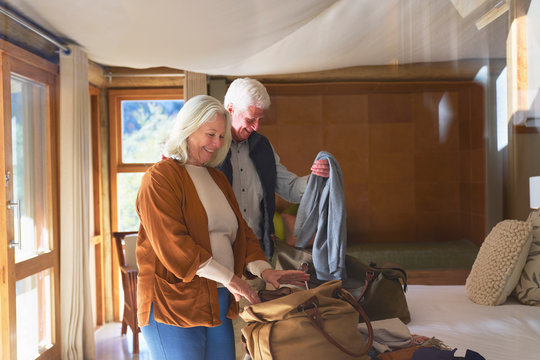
(174, 241)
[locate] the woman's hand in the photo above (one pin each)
(239, 288)
(277, 277)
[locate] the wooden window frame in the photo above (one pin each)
(115, 98)
(19, 61)
(96, 239)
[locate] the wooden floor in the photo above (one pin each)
(110, 345)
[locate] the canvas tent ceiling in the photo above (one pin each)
(254, 37)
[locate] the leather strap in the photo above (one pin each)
(395, 267)
(312, 312)
(370, 275)
(249, 310)
(345, 295)
(268, 295)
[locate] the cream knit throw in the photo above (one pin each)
(499, 262)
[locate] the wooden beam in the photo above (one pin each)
(516, 54)
(26, 39)
(195, 84)
(521, 150)
(96, 75)
(462, 70)
(122, 77)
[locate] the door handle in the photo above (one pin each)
(12, 205)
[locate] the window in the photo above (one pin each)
(29, 240)
(140, 123)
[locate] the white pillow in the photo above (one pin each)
(528, 288)
(499, 262)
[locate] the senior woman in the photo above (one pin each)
(194, 245)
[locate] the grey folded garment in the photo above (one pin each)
(388, 334)
(322, 212)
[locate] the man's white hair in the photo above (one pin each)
(246, 92)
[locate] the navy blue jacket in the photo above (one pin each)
(262, 155)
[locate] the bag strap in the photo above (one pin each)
(390, 266)
(345, 295)
(370, 275)
(394, 266)
(311, 310)
(267, 295)
(253, 315)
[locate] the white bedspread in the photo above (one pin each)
(506, 332)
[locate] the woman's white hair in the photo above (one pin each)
(246, 92)
(196, 112)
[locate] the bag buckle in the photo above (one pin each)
(370, 275)
(305, 268)
(310, 304)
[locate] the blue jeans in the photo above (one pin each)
(168, 342)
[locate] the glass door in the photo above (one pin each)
(30, 290)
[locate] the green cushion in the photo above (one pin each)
(458, 254)
(279, 228)
(291, 209)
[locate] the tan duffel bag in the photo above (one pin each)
(320, 323)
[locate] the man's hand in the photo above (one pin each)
(239, 288)
(321, 168)
(277, 277)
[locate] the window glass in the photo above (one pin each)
(34, 312)
(145, 127)
(30, 156)
(128, 186)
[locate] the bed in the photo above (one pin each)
(442, 308)
(506, 332)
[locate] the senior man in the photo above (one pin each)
(252, 165)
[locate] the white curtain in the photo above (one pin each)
(75, 187)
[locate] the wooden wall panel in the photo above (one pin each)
(412, 154)
(340, 109)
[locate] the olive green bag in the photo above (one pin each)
(315, 324)
(380, 290)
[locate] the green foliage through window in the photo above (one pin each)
(145, 127)
(128, 186)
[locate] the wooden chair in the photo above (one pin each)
(125, 247)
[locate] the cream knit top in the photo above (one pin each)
(222, 227)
